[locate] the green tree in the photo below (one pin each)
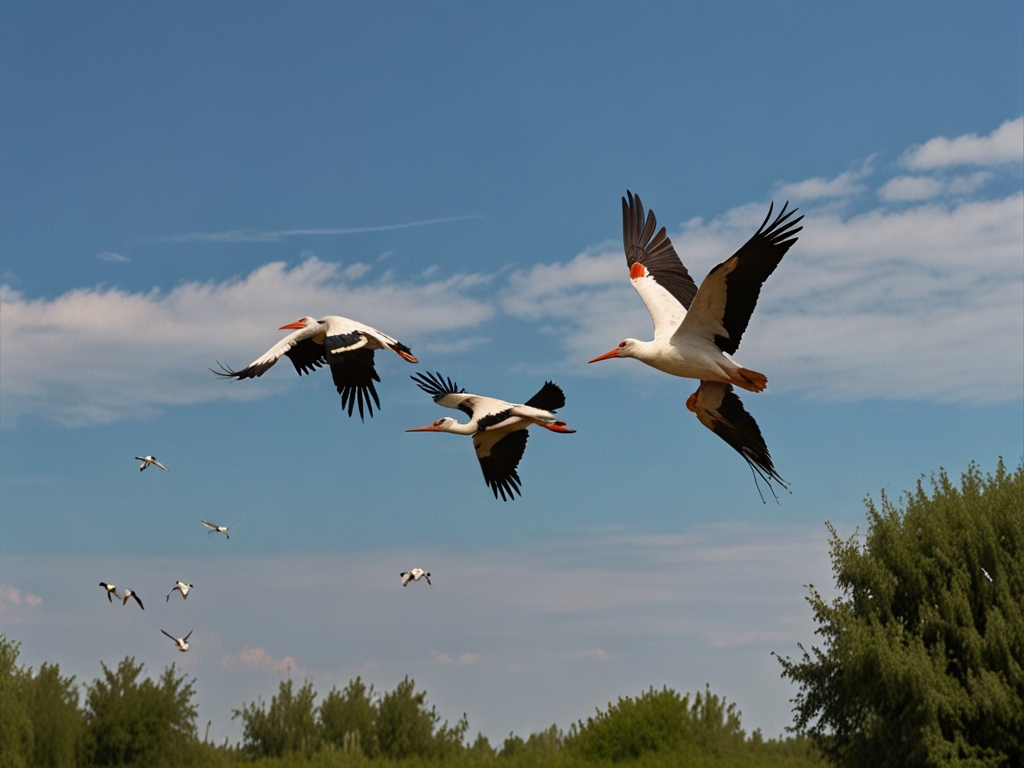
(139, 723)
(657, 721)
(922, 662)
(57, 722)
(405, 727)
(16, 737)
(348, 718)
(288, 727)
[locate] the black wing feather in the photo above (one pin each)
(755, 261)
(306, 356)
(436, 385)
(499, 467)
(491, 419)
(354, 374)
(550, 398)
(654, 251)
(741, 433)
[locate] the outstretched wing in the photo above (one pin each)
(719, 409)
(550, 398)
(499, 457)
(354, 374)
(306, 355)
(444, 392)
(654, 267)
(729, 293)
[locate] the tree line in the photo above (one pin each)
(921, 664)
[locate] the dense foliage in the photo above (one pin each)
(129, 720)
(923, 656)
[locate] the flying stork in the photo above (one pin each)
(180, 642)
(214, 529)
(498, 428)
(147, 460)
(697, 329)
(345, 345)
(182, 587)
(130, 594)
(111, 590)
(414, 575)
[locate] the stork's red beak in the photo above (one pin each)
(428, 428)
(293, 326)
(605, 356)
(406, 356)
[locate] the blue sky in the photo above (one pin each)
(178, 184)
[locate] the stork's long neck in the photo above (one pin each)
(456, 428)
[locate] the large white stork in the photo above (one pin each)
(498, 428)
(697, 329)
(345, 345)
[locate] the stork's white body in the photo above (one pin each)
(414, 574)
(182, 587)
(498, 427)
(346, 345)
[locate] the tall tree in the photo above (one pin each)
(405, 727)
(16, 739)
(922, 661)
(348, 718)
(57, 723)
(288, 726)
(139, 723)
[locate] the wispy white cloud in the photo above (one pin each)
(914, 188)
(95, 355)
(111, 256)
(259, 658)
(277, 235)
(846, 184)
(12, 600)
(1004, 145)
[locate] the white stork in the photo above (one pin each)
(498, 428)
(345, 345)
(414, 575)
(111, 590)
(148, 460)
(696, 330)
(180, 642)
(215, 529)
(129, 594)
(182, 587)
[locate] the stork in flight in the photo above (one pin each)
(129, 594)
(697, 329)
(182, 587)
(215, 529)
(111, 590)
(147, 460)
(180, 642)
(414, 575)
(345, 345)
(498, 428)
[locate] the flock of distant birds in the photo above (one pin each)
(696, 330)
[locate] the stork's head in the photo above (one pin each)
(303, 322)
(445, 424)
(626, 348)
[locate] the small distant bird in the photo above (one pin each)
(696, 330)
(987, 574)
(345, 345)
(215, 528)
(111, 590)
(414, 575)
(147, 460)
(127, 594)
(182, 587)
(498, 428)
(181, 642)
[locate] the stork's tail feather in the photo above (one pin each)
(752, 381)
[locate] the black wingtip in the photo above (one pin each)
(436, 385)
